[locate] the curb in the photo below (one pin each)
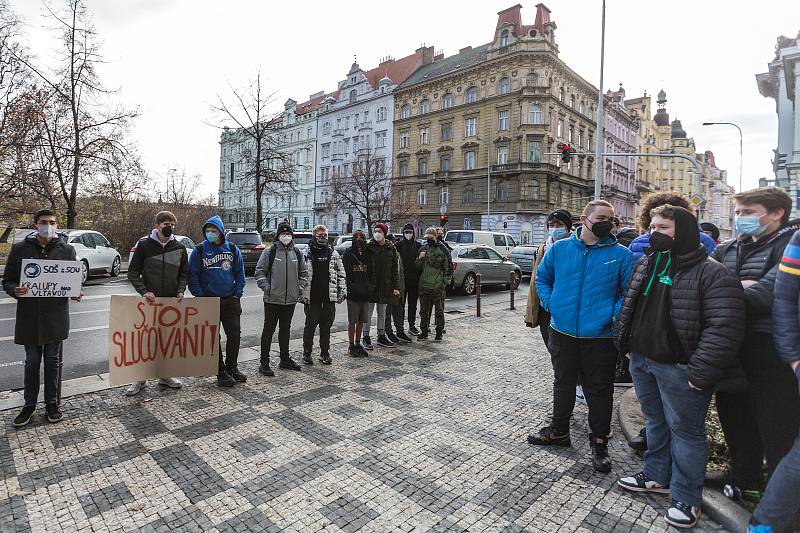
(718, 507)
(100, 382)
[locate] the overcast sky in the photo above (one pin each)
(171, 57)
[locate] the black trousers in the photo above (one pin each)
(320, 314)
(763, 421)
(593, 361)
(544, 325)
(230, 312)
(276, 316)
(394, 313)
(410, 299)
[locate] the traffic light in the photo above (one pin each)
(566, 152)
(442, 220)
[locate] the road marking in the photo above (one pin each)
(8, 301)
(12, 363)
(73, 313)
(76, 330)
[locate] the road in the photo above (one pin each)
(85, 351)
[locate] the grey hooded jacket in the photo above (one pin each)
(284, 283)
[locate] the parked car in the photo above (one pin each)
(523, 256)
(92, 249)
(302, 240)
(183, 239)
(249, 243)
(472, 259)
(502, 243)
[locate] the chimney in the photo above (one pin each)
(438, 56)
(316, 95)
(542, 17)
(427, 54)
(465, 49)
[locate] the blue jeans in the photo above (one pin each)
(675, 415)
(781, 500)
(33, 360)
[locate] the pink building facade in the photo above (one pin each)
(619, 172)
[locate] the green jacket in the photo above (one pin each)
(433, 267)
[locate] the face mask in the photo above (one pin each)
(359, 243)
(430, 241)
(322, 239)
(211, 236)
(660, 242)
(285, 239)
(749, 225)
(166, 231)
(557, 233)
(601, 229)
(408, 235)
(378, 236)
(46, 231)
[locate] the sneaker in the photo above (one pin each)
(237, 376)
(682, 515)
(413, 329)
(383, 341)
(325, 357)
(423, 336)
(367, 343)
(549, 437)
(135, 388)
(642, 483)
(392, 338)
(438, 337)
(307, 358)
(24, 417)
(265, 370)
(352, 351)
(639, 442)
(53, 413)
(361, 351)
(172, 383)
(600, 459)
(579, 396)
(224, 379)
(402, 337)
(287, 363)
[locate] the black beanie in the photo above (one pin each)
(284, 227)
(408, 227)
(563, 216)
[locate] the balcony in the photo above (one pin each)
(535, 90)
(365, 126)
(338, 132)
(320, 206)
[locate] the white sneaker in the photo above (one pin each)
(682, 516)
(579, 395)
(172, 383)
(135, 388)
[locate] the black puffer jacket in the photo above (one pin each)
(707, 314)
(757, 260)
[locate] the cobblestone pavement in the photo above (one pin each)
(425, 437)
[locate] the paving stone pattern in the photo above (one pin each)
(428, 437)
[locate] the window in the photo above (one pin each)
(493, 255)
(569, 135)
(502, 120)
(326, 150)
(534, 151)
(380, 166)
(444, 163)
(381, 114)
(580, 107)
(422, 197)
(468, 195)
(403, 168)
(424, 107)
(470, 127)
(505, 85)
(447, 101)
(405, 111)
(404, 140)
(326, 128)
(353, 95)
(572, 101)
(502, 191)
(504, 38)
(380, 139)
(447, 131)
(560, 130)
(423, 136)
(423, 166)
(535, 115)
(532, 80)
(502, 155)
(469, 160)
(499, 240)
(533, 190)
(233, 171)
(472, 95)
(561, 94)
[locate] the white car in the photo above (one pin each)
(502, 243)
(183, 239)
(92, 249)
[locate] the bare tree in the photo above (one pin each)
(80, 129)
(179, 189)
(268, 169)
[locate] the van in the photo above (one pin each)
(502, 243)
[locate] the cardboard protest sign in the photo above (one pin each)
(164, 339)
(48, 278)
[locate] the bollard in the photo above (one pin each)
(478, 294)
(513, 280)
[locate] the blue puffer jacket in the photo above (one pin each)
(219, 269)
(786, 307)
(582, 286)
(641, 242)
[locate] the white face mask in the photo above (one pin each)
(408, 235)
(378, 236)
(46, 231)
(285, 239)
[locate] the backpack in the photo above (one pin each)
(271, 259)
(234, 249)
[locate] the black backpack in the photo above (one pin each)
(273, 251)
(234, 249)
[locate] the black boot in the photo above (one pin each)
(264, 368)
(639, 442)
(287, 363)
(307, 358)
(224, 379)
(237, 376)
(549, 436)
(600, 458)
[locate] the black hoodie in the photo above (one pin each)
(652, 331)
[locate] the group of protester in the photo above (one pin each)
(689, 319)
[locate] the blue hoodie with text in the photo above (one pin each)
(219, 269)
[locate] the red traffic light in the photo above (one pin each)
(566, 152)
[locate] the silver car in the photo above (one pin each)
(472, 259)
(92, 249)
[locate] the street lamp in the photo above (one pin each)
(598, 146)
(740, 144)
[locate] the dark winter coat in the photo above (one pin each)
(707, 315)
(384, 272)
(359, 280)
(786, 311)
(409, 250)
(160, 269)
(39, 320)
(757, 260)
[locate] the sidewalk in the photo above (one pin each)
(425, 437)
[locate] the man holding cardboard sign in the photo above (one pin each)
(42, 320)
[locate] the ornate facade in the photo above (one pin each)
(619, 172)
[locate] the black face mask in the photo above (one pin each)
(431, 242)
(322, 240)
(166, 231)
(660, 242)
(359, 243)
(601, 229)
